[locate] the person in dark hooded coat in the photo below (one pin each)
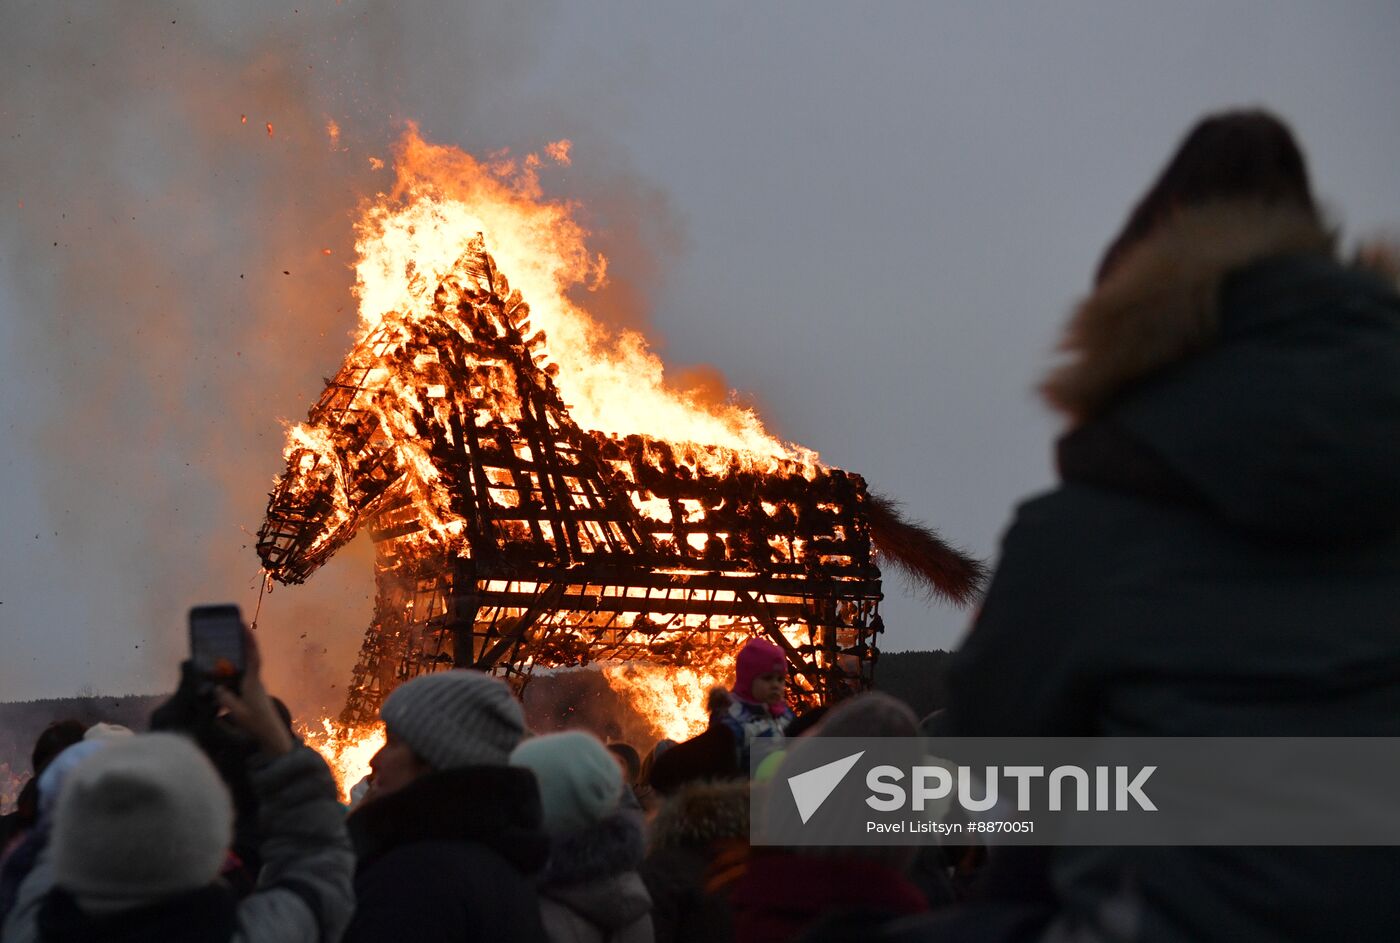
(705, 821)
(590, 891)
(449, 837)
(1222, 555)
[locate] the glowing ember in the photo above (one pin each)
(559, 151)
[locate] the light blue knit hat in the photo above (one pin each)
(580, 780)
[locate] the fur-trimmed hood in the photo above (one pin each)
(593, 873)
(1260, 370)
(614, 845)
(1162, 303)
(700, 813)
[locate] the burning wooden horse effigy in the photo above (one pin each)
(508, 538)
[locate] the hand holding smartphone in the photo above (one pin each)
(217, 648)
(224, 653)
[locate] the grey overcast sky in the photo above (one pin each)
(872, 217)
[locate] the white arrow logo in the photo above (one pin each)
(810, 789)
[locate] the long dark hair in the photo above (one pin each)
(1232, 155)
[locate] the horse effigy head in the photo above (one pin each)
(381, 436)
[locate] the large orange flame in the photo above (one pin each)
(612, 382)
(408, 242)
(347, 750)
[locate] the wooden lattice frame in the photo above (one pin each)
(550, 560)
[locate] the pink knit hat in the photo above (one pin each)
(757, 657)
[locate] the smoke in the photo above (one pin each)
(581, 699)
(170, 256)
(177, 244)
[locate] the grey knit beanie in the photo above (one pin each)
(141, 819)
(456, 718)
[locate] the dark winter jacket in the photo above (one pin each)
(16, 865)
(710, 755)
(303, 893)
(1221, 558)
(208, 915)
(450, 857)
(590, 891)
(783, 895)
(701, 821)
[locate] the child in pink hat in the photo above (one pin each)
(759, 707)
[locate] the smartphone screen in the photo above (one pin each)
(216, 642)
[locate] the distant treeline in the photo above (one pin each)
(22, 721)
(919, 679)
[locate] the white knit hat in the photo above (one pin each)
(580, 780)
(101, 731)
(456, 718)
(143, 818)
